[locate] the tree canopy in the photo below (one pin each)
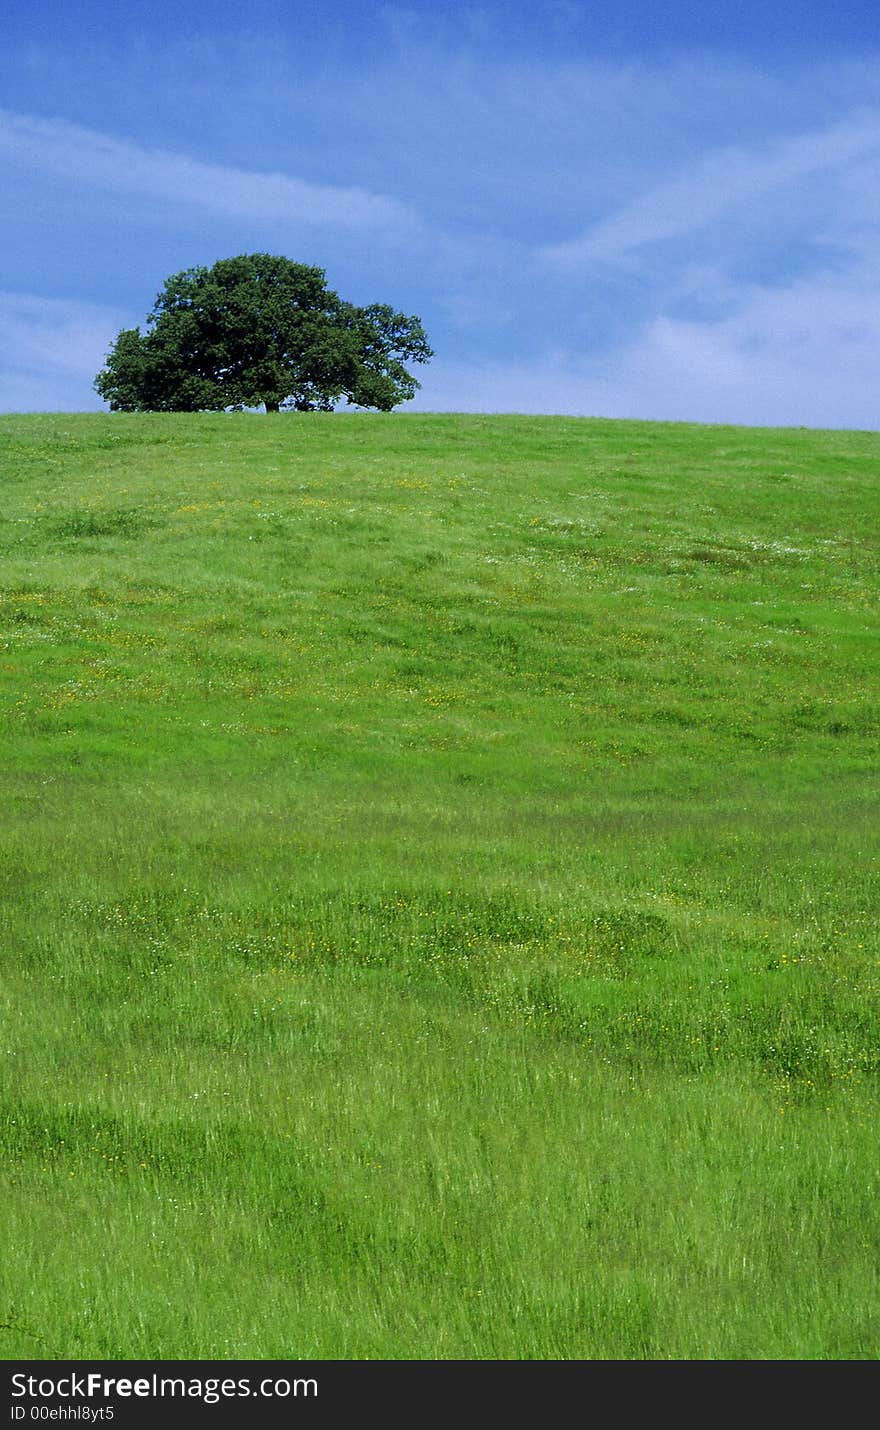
(261, 330)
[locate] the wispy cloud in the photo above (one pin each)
(50, 350)
(717, 183)
(86, 156)
(689, 236)
(800, 355)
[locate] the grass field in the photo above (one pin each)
(439, 889)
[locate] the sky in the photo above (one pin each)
(635, 209)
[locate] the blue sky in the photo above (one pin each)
(636, 209)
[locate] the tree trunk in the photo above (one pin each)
(271, 406)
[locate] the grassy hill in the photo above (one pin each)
(439, 869)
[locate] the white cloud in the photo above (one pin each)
(85, 156)
(718, 182)
(50, 350)
(804, 355)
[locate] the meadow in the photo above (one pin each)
(439, 889)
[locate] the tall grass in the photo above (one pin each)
(439, 889)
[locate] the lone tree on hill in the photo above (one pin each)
(257, 329)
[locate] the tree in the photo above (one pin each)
(259, 329)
